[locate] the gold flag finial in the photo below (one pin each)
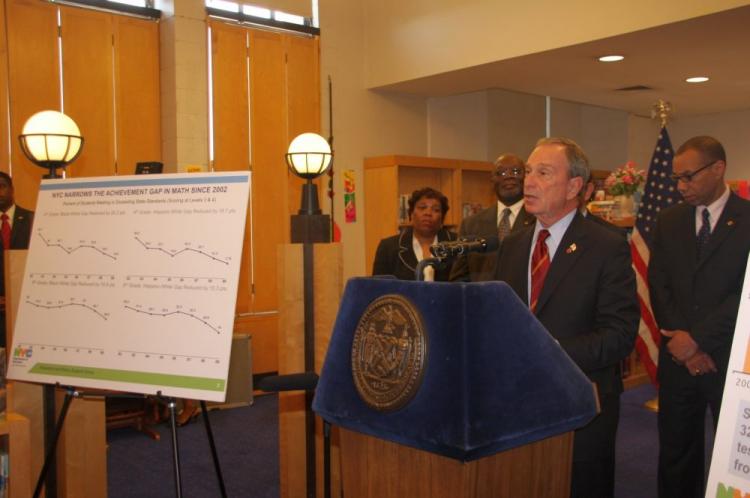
(661, 110)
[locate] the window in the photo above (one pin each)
(256, 14)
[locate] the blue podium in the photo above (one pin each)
(449, 389)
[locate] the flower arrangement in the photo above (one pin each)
(625, 180)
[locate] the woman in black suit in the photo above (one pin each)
(399, 255)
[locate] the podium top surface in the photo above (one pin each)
(482, 376)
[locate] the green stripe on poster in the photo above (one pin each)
(150, 378)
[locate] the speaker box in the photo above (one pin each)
(240, 380)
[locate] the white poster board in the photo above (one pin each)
(729, 476)
(131, 284)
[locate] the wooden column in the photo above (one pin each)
(327, 286)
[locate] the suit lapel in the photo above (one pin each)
(728, 222)
(20, 220)
(572, 246)
(406, 250)
(523, 220)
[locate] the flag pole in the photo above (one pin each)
(330, 143)
(662, 111)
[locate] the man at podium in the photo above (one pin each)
(577, 278)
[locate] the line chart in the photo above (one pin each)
(74, 276)
(178, 310)
(82, 244)
(65, 348)
(61, 304)
(176, 278)
(198, 249)
(167, 356)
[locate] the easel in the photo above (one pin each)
(169, 402)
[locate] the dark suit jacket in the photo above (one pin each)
(20, 236)
(479, 267)
(588, 302)
(395, 256)
(700, 296)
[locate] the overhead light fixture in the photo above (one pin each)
(697, 79)
(611, 58)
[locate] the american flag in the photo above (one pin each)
(660, 192)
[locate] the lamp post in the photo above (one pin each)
(51, 140)
(309, 156)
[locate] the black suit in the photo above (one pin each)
(19, 239)
(395, 256)
(702, 297)
(479, 267)
(589, 304)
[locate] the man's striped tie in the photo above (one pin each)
(539, 268)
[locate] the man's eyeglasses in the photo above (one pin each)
(508, 172)
(687, 177)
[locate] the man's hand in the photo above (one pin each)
(700, 363)
(681, 345)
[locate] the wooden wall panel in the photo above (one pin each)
(270, 175)
(33, 82)
(254, 119)
(230, 97)
(303, 101)
(88, 87)
(4, 144)
(232, 128)
(137, 99)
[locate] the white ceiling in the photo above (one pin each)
(717, 46)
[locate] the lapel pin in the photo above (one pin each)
(730, 223)
(571, 248)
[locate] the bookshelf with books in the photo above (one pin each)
(390, 180)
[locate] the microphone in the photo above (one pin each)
(291, 382)
(463, 246)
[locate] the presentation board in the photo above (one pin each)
(729, 476)
(131, 284)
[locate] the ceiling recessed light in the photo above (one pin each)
(611, 58)
(697, 79)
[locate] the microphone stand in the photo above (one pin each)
(419, 272)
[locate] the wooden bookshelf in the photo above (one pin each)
(388, 177)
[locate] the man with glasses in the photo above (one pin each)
(499, 220)
(697, 267)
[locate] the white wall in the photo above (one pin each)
(457, 126)
(732, 129)
(366, 123)
(602, 133)
(516, 122)
(418, 38)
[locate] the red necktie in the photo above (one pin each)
(539, 268)
(5, 231)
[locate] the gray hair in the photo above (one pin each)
(577, 159)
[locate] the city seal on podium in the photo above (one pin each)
(389, 353)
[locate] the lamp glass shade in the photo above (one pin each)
(52, 136)
(309, 155)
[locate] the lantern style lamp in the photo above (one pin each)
(308, 157)
(51, 140)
